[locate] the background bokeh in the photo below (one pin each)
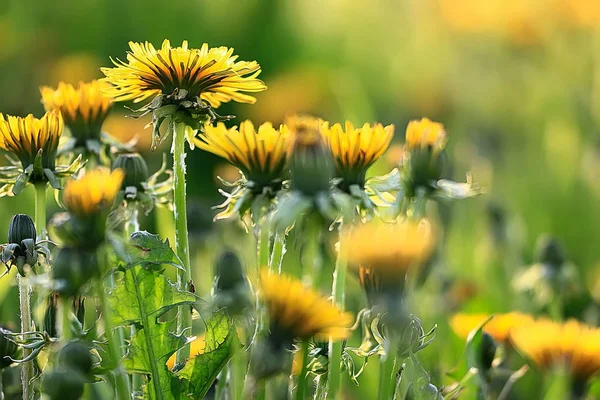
(515, 82)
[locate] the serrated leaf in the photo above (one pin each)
(139, 298)
(158, 296)
(146, 248)
(200, 372)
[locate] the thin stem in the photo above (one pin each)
(387, 375)
(221, 383)
(184, 316)
(338, 294)
(26, 326)
(114, 350)
(276, 260)
(40, 210)
(131, 225)
(237, 371)
(302, 378)
(65, 313)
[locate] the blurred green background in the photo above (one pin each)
(516, 84)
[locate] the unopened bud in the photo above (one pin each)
(135, 168)
(230, 288)
(72, 269)
(21, 228)
(76, 355)
(549, 251)
(63, 384)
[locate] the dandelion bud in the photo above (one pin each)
(135, 169)
(230, 288)
(63, 384)
(425, 143)
(486, 352)
(7, 349)
(72, 269)
(269, 358)
(21, 227)
(311, 164)
(76, 355)
(49, 324)
(550, 252)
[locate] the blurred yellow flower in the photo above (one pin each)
(196, 348)
(390, 249)
(298, 312)
(259, 153)
(305, 129)
(127, 129)
(499, 327)
(26, 136)
(213, 74)
(84, 108)
(550, 344)
(354, 150)
(93, 192)
(425, 134)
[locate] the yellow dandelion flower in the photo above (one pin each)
(26, 136)
(196, 348)
(305, 130)
(213, 74)
(425, 134)
(259, 153)
(390, 250)
(298, 312)
(499, 327)
(93, 192)
(83, 108)
(354, 150)
(550, 344)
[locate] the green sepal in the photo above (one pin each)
(52, 179)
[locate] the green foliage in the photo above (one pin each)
(221, 342)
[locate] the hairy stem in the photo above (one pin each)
(26, 326)
(184, 316)
(338, 295)
(131, 225)
(114, 349)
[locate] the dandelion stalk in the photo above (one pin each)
(302, 378)
(1, 387)
(26, 326)
(184, 318)
(387, 375)
(40, 210)
(338, 294)
(276, 261)
(114, 350)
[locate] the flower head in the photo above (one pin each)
(354, 150)
(550, 344)
(261, 154)
(213, 74)
(499, 327)
(297, 312)
(425, 134)
(29, 137)
(83, 108)
(94, 192)
(390, 249)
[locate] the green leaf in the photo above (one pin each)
(200, 372)
(473, 346)
(140, 298)
(415, 382)
(146, 248)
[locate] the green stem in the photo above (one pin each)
(338, 295)
(40, 210)
(387, 375)
(276, 260)
(184, 316)
(221, 385)
(114, 350)
(65, 313)
(237, 373)
(131, 225)
(302, 378)
(26, 326)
